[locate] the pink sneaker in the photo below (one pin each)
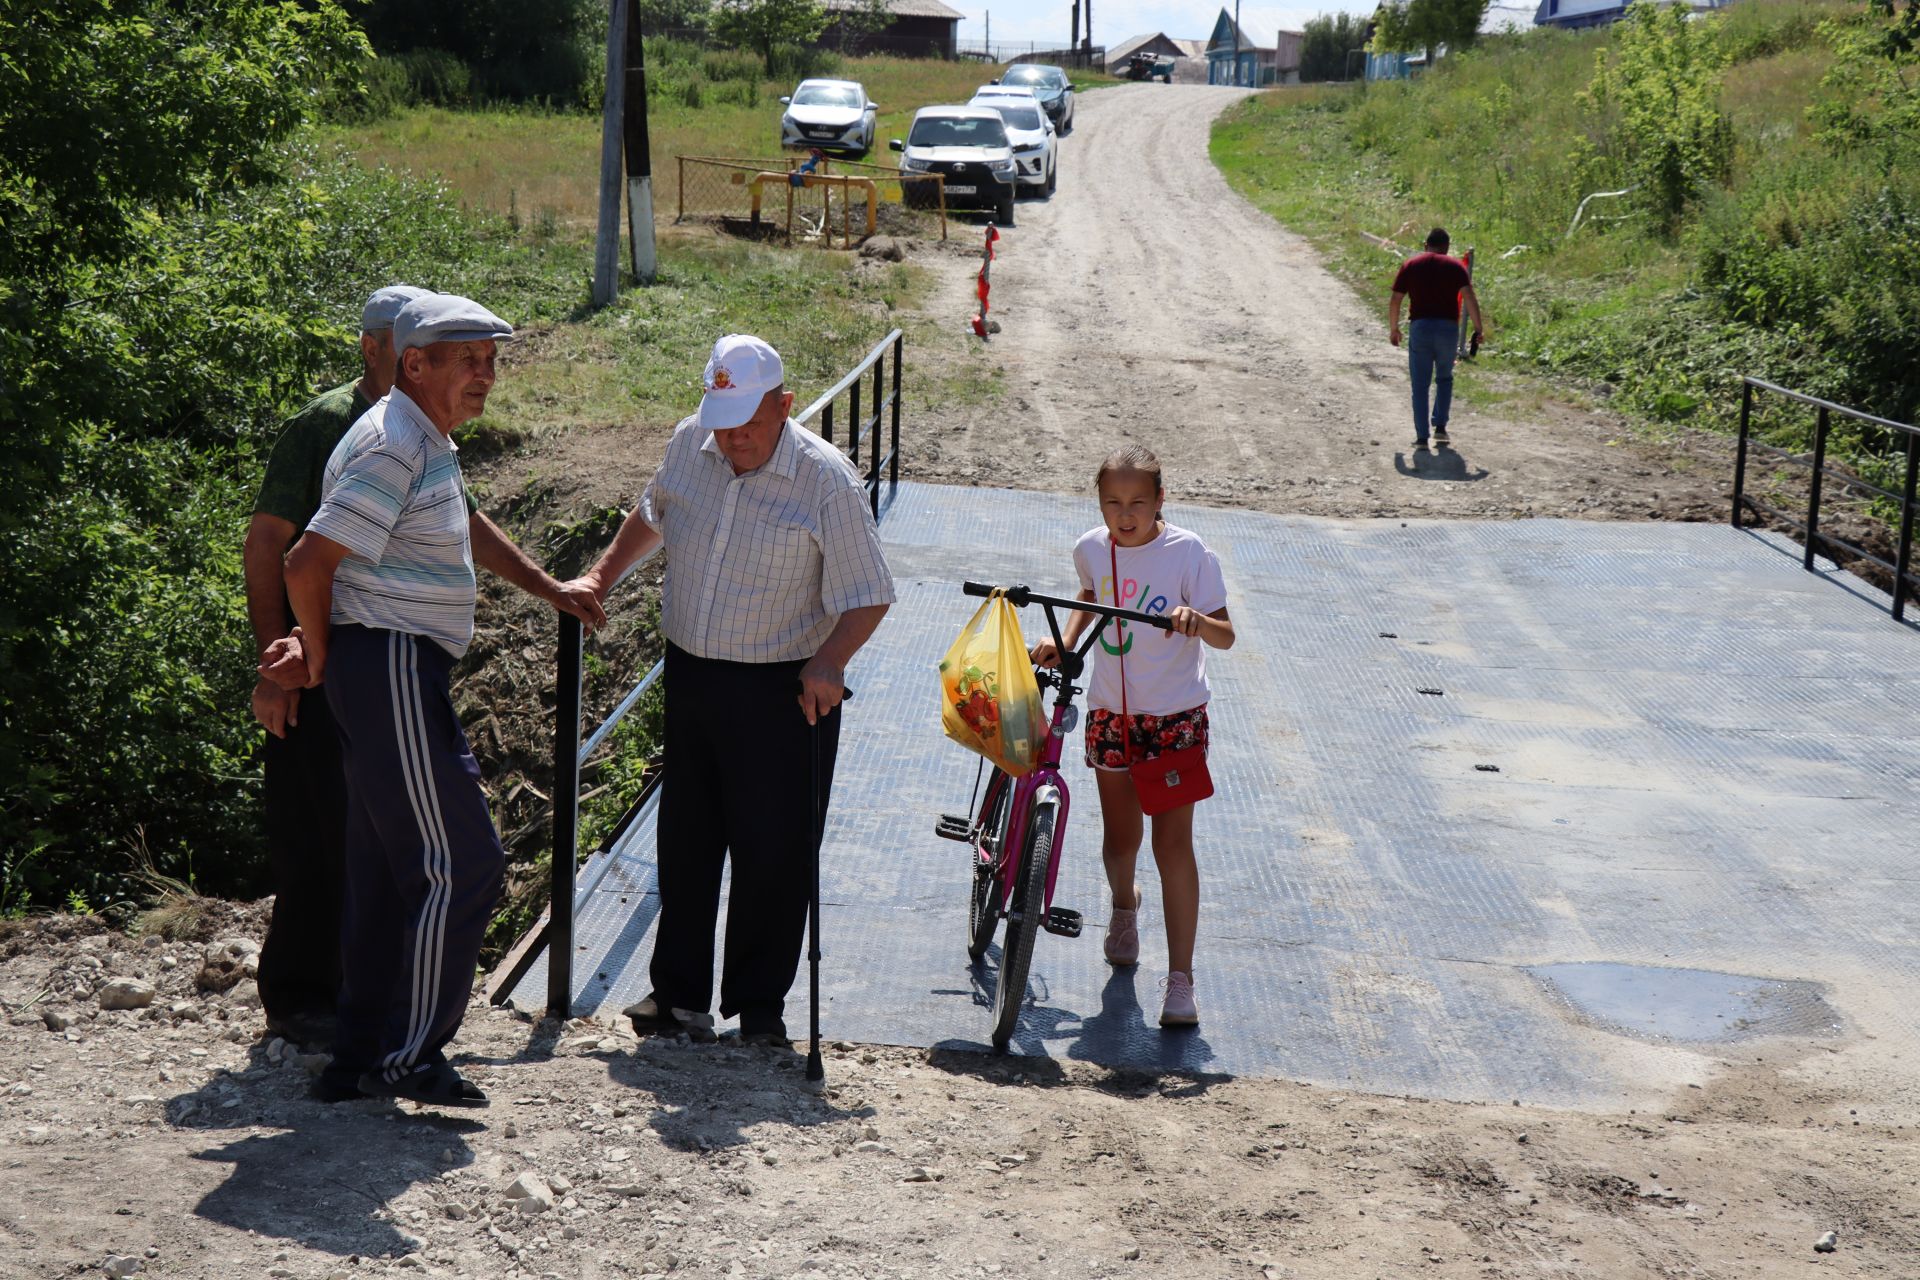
(1179, 1010)
(1123, 933)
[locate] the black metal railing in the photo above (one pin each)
(554, 934)
(866, 431)
(1901, 566)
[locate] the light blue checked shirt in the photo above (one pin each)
(392, 496)
(761, 566)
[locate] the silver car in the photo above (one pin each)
(833, 115)
(1036, 144)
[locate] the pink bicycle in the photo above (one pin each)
(1017, 830)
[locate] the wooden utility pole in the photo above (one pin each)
(639, 153)
(1073, 42)
(1236, 42)
(1089, 43)
(606, 248)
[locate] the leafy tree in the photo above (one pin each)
(858, 21)
(144, 325)
(672, 17)
(517, 49)
(1872, 94)
(1404, 25)
(1326, 46)
(767, 26)
(1655, 102)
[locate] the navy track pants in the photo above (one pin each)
(739, 786)
(423, 861)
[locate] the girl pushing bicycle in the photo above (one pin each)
(1147, 699)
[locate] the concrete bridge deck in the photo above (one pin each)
(1701, 829)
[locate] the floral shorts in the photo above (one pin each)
(1151, 735)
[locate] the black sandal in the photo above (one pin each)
(435, 1086)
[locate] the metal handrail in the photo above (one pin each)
(1901, 566)
(570, 754)
(859, 430)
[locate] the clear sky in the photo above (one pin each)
(1115, 20)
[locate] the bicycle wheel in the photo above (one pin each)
(1023, 921)
(983, 904)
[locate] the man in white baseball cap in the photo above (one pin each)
(382, 583)
(774, 578)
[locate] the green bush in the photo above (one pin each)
(435, 76)
(720, 65)
(1655, 106)
(535, 51)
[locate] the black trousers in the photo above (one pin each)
(740, 785)
(423, 861)
(306, 818)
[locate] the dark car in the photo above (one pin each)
(1050, 85)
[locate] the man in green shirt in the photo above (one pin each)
(306, 790)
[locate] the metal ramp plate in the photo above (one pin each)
(1706, 760)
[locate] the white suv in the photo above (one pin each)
(1036, 145)
(969, 147)
(833, 115)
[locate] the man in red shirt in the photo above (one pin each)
(1437, 284)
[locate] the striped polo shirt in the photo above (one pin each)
(393, 498)
(761, 566)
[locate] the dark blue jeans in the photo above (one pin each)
(1430, 350)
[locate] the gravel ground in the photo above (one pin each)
(178, 1136)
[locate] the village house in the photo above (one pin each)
(1258, 52)
(1570, 14)
(919, 29)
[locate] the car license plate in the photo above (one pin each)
(953, 190)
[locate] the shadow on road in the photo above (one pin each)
(1445, 464)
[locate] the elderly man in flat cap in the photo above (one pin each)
(775, 578)
(306, 793)
(382, 585)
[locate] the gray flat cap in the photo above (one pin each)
(446, 317)
(385, 304)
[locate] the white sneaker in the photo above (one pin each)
(1178, 1009)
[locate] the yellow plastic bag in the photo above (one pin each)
(989, 700)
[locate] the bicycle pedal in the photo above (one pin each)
(1063, 922)
(953, 827)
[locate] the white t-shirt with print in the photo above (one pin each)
(1165, 672)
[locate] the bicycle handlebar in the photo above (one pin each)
(1023, 596)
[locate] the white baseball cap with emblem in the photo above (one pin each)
(739, 374)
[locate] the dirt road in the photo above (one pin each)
(1148, 302)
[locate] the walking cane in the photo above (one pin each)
(816, 1070)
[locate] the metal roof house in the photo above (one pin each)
(1237, 55)
(1571, 14)
(919, 29)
